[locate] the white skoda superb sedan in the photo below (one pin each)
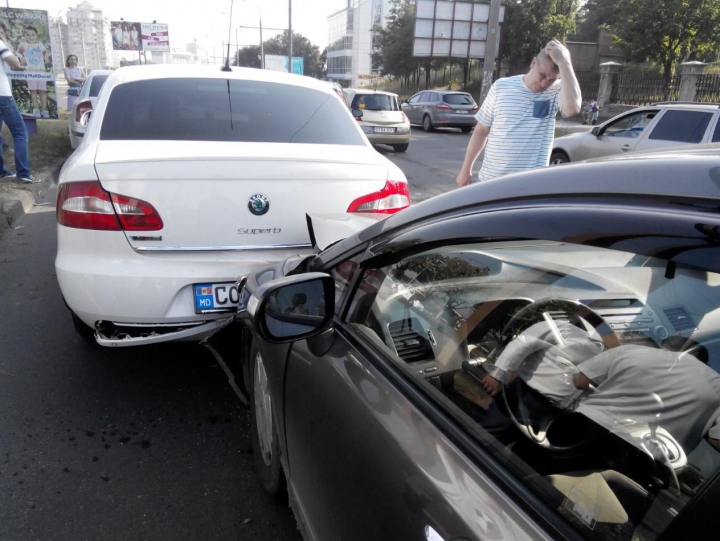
(189, 177)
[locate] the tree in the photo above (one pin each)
(394, 43)
(663, 31)
(532, 23)
(314, 62)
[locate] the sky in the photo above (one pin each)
(208, 20)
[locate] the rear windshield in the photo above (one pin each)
(375, 102)
(458, 99)
(96, 84)
(226, 110)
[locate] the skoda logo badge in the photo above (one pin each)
(258, 204)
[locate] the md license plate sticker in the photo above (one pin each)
(220, 297)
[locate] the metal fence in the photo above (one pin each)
(708, 88)
(643, 88)
(589, 84)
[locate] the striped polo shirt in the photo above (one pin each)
(522, 126)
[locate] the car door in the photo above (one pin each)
(411, 108)
(677, 127)
(618, 136)
(386, 423)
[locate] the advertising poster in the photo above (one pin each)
(26, 33)
(126, 35)
(155, 37)
(280, 63)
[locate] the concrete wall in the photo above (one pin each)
(584, 55)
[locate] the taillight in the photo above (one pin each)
(443, 107)
(82, 108)
(474, 108)
(394, 197)
(86, 205)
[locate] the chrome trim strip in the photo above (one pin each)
(181, 324)
(220, 248)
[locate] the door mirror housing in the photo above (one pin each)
(596, 131)
(293, 308)
(73, 92)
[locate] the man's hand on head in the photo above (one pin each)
(558, 53)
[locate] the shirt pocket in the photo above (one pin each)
(541, 108)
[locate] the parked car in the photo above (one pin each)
(656, 126)
(442, 109)
(86, 99)
(380, 117)
(191, 175)
(594, 285)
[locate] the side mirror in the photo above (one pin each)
(293, 308)
(357, 113)
(73, 92)
(596, 130)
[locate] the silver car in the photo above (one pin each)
(657, 126)
(442, 109)
(86, 100)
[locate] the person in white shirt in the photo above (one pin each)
(10, 115)
(516, 122)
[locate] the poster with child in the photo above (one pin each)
(26, 33)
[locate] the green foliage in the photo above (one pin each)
(530, 24)
(314, 60)
(663, 31)
(394, 43)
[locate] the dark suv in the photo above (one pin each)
(441, 109)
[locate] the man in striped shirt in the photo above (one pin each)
(516, 123)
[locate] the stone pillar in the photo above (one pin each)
(689, 73)
(607, 74)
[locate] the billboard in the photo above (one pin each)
(135, 36)
(155, 37)
(451, 29)
(125, 35)
(26, 33)
(280, 63)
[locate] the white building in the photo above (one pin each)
(350, 40)
(58, 43)
(88, 37)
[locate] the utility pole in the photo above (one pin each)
(490, 49)
(290, 34)
(262, 47)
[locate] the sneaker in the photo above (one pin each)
(36, 113)
(29, 179)
(8, 175)
(45, 114)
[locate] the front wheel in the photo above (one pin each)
(427, 123)
(266, 446)
(466, 129)
(401, 148)
(558, 158)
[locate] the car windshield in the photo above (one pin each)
(96, 84)
(458, 99)
(375, 102)
(197, 109)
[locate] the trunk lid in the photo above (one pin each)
(203, 191)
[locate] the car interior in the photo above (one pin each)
(613, 455)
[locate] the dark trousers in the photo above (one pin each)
(10, 115)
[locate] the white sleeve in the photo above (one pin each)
(4, 51)
(486, 114)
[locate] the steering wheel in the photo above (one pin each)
(534, 313)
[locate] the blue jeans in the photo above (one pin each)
(10, 115)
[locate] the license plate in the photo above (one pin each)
(461, 111)
(383, 130)
(213, 298)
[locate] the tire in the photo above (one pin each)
(85, 332)
(558, 158)
(466, 129)
(427, 124)
(401, 148)
(266, 445)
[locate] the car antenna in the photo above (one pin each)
(226, 67)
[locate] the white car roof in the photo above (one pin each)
(129, 74)
(369, 91)
(100, 72)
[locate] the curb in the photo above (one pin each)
(13, 205)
